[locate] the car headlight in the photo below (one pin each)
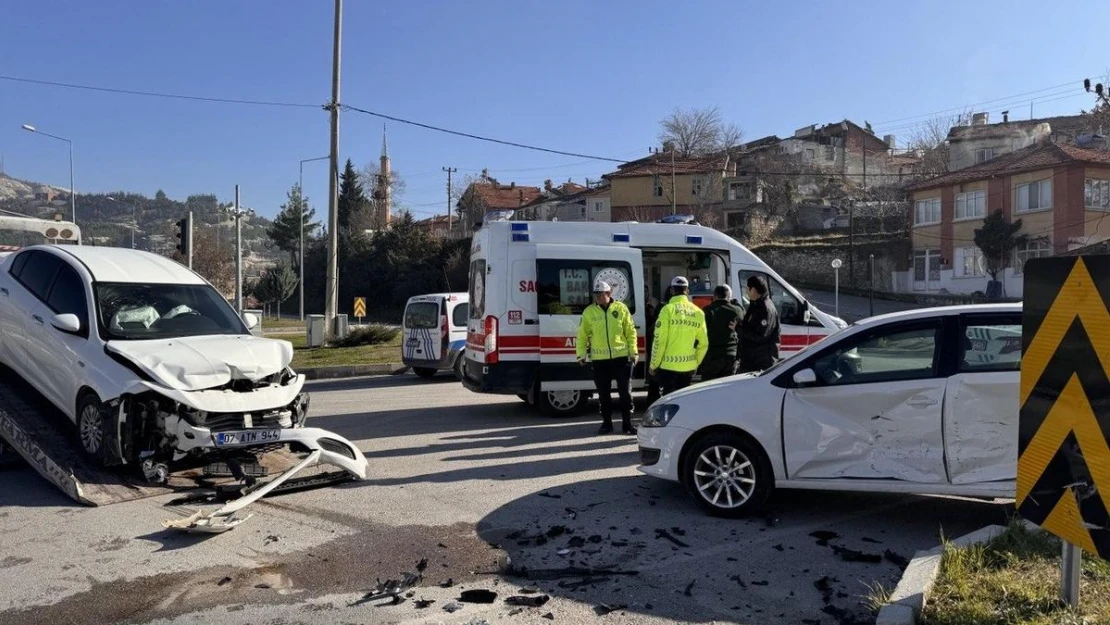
(659, 415)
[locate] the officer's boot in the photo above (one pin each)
(626, 423)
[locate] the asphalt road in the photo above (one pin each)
(471, 483)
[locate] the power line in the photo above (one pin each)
(468, 135)
(974, 104)
(1011, 106)
(155, 94)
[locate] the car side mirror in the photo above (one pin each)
(68, 323)
(251, 320)
(805, 377)
(806, 314)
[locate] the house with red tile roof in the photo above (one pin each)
(1060, 192)
(487, 194)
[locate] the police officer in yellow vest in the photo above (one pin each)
(681, 339)
(608, 333)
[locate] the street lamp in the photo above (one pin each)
(72, 191)
(134, 223)
(300, 187)
(238, 212)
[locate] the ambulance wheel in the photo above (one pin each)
(562, 403)
(423, 372)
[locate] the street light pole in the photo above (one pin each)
(300, 188)
(72, 191)
(331, 289)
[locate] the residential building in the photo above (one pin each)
(666, 183)
(438, 226)
(487, 194)
(1060, 192)
(980, 141)
(599, 205)
(566, 202)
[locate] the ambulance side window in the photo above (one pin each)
(788, 306)
(477, 289)
(565, 286)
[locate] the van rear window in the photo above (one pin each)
(477, 289)
(565, 286)
(422, 315)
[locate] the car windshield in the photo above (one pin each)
(158, 311)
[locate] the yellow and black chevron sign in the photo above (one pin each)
(1063, 476)
(360, 307)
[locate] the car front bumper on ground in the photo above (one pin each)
(664, 446)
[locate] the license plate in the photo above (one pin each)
(979, 345)
(247, 437)
(414, 342)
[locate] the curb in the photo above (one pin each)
(917, 581)
(351, 371)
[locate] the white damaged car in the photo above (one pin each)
(149, 361)
(922, 402)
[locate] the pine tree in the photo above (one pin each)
(352, 198)
(285, 231)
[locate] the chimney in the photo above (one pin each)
(547, 184)
(1005, 117)
(980, 119)
(889, 141)
(512, 185)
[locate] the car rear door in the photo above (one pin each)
(875, 411)
(981, 406)
(423, 340)
(565, 275)
(11, 312)
(29, 297)
(61, 351)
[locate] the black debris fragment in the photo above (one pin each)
(824, 586)
(270, 539)
(678, 531)
(478, 595)
(423, 603)
(550, 496)
(761, 583)
(441, 546)
(530, 590)
(556, 531)
(811, 621)
(422, 565)
(636, 531)
(573, 571)
(738, 580)
(391, 589)
(549, 616)
(871, 540)
(447, 584)
(648, 606)
(665, 535)
(528, 602)
(619, 543)
(897, 559)
(778, 547)
(851, 555)
(582, 583)
(595, 539)
(732, 559)
(572, 513)
(223, 581)
(689, 588)
(454, 606)
(824, 536)
(263, 586)
(576, 541)
(606, 608)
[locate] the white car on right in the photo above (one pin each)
(923, 402)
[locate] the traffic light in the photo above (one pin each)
(185, 237)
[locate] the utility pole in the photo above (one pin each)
(674, 189)
(331, 301)
(238, 255)
(449, 170)
(851, 243)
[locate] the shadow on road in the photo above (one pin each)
(644, 544)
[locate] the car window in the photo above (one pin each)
(896, 354)
(459, 315)
(131, 311)
(38, 272)
(18, 262)
(67, 296)
(988, 345)
(422, 315)
(788, 306)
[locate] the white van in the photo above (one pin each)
(434, 333)
(530, 282)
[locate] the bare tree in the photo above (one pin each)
(930, 139)
(695, 132)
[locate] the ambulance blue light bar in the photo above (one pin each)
(520, 237)
(519, 226)
(621, 238)
(693, 240)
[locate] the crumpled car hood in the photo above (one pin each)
(203, 362)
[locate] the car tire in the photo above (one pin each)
(460, 366)
(728, 475)
(424, 372)
(90, 426)
(562, 403)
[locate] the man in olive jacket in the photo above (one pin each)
(607, 333)
(721, 320)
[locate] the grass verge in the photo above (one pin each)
(1014, 579)
(330, 356)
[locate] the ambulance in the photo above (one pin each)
(530, 282)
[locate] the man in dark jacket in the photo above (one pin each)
(653, 306)
(759, 331)
(721, 319)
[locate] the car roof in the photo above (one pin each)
(941, 311)
(424, 297)
(119, 264)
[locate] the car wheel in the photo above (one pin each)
(460, 364)
(728, 475)
(90, 425)
(562, 403)
(423, 372)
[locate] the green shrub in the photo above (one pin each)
(368, 335)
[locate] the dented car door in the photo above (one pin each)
(875, 411)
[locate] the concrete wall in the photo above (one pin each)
(810, 263)
(961, 153)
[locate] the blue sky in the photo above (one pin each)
(581, 76)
